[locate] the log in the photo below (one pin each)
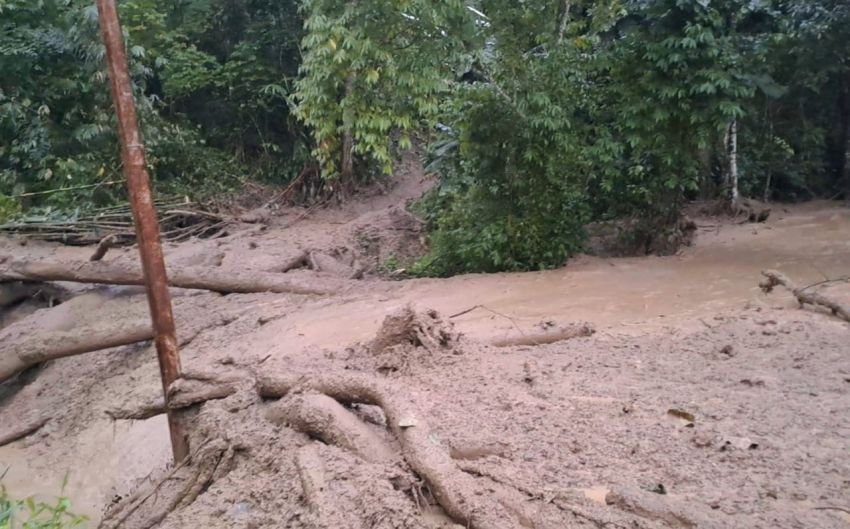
(16, 356)
(23, 345)
(804, 297)
(110, 273)
(546, 337)
(463, 497)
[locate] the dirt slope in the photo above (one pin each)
(556, 428)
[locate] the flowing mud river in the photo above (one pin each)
(659, 321)
(720, 272)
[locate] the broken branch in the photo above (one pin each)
(774, 279)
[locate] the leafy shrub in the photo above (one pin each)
(9, 208)
(32, 514)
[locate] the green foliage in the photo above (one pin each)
(212, 81)
(32, 514)
(373, 67)
(9, 208)
(552, 114)
(619, 109)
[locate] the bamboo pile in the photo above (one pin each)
(179, 220)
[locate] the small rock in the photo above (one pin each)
(728, 350)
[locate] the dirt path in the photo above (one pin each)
(580, 417)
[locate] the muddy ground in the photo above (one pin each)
(698, 401)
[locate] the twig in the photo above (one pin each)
(830, 508)
(827, 281)
(497, 313)
(307, 213)
(75, 188)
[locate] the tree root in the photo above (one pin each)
(322, 416)
(178, 488)
(774, 279)
(462, 497)
(21, 430)
(301, 260)
(311, 471)
(407, 326)
(658, 508)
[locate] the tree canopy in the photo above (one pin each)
(539, 116)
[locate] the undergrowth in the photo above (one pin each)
(30, 513)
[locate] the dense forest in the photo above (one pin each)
(539, 116)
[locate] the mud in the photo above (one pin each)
(563, 428)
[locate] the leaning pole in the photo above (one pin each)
(144, 214)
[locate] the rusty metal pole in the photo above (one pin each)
(144, 213)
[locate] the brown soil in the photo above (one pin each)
(731, 402)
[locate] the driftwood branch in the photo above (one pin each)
(109, 273)
(772, 279)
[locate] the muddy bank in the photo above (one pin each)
(560, 425)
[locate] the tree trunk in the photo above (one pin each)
(15, 357)
(565, 19)
(347, 167)
(843, 143)
(108, 273)
(767, 186)
(732, 151)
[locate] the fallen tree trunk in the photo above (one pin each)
(804, 297)
(215, 280)
(462, 497)
(23, 344)
(17, 356)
